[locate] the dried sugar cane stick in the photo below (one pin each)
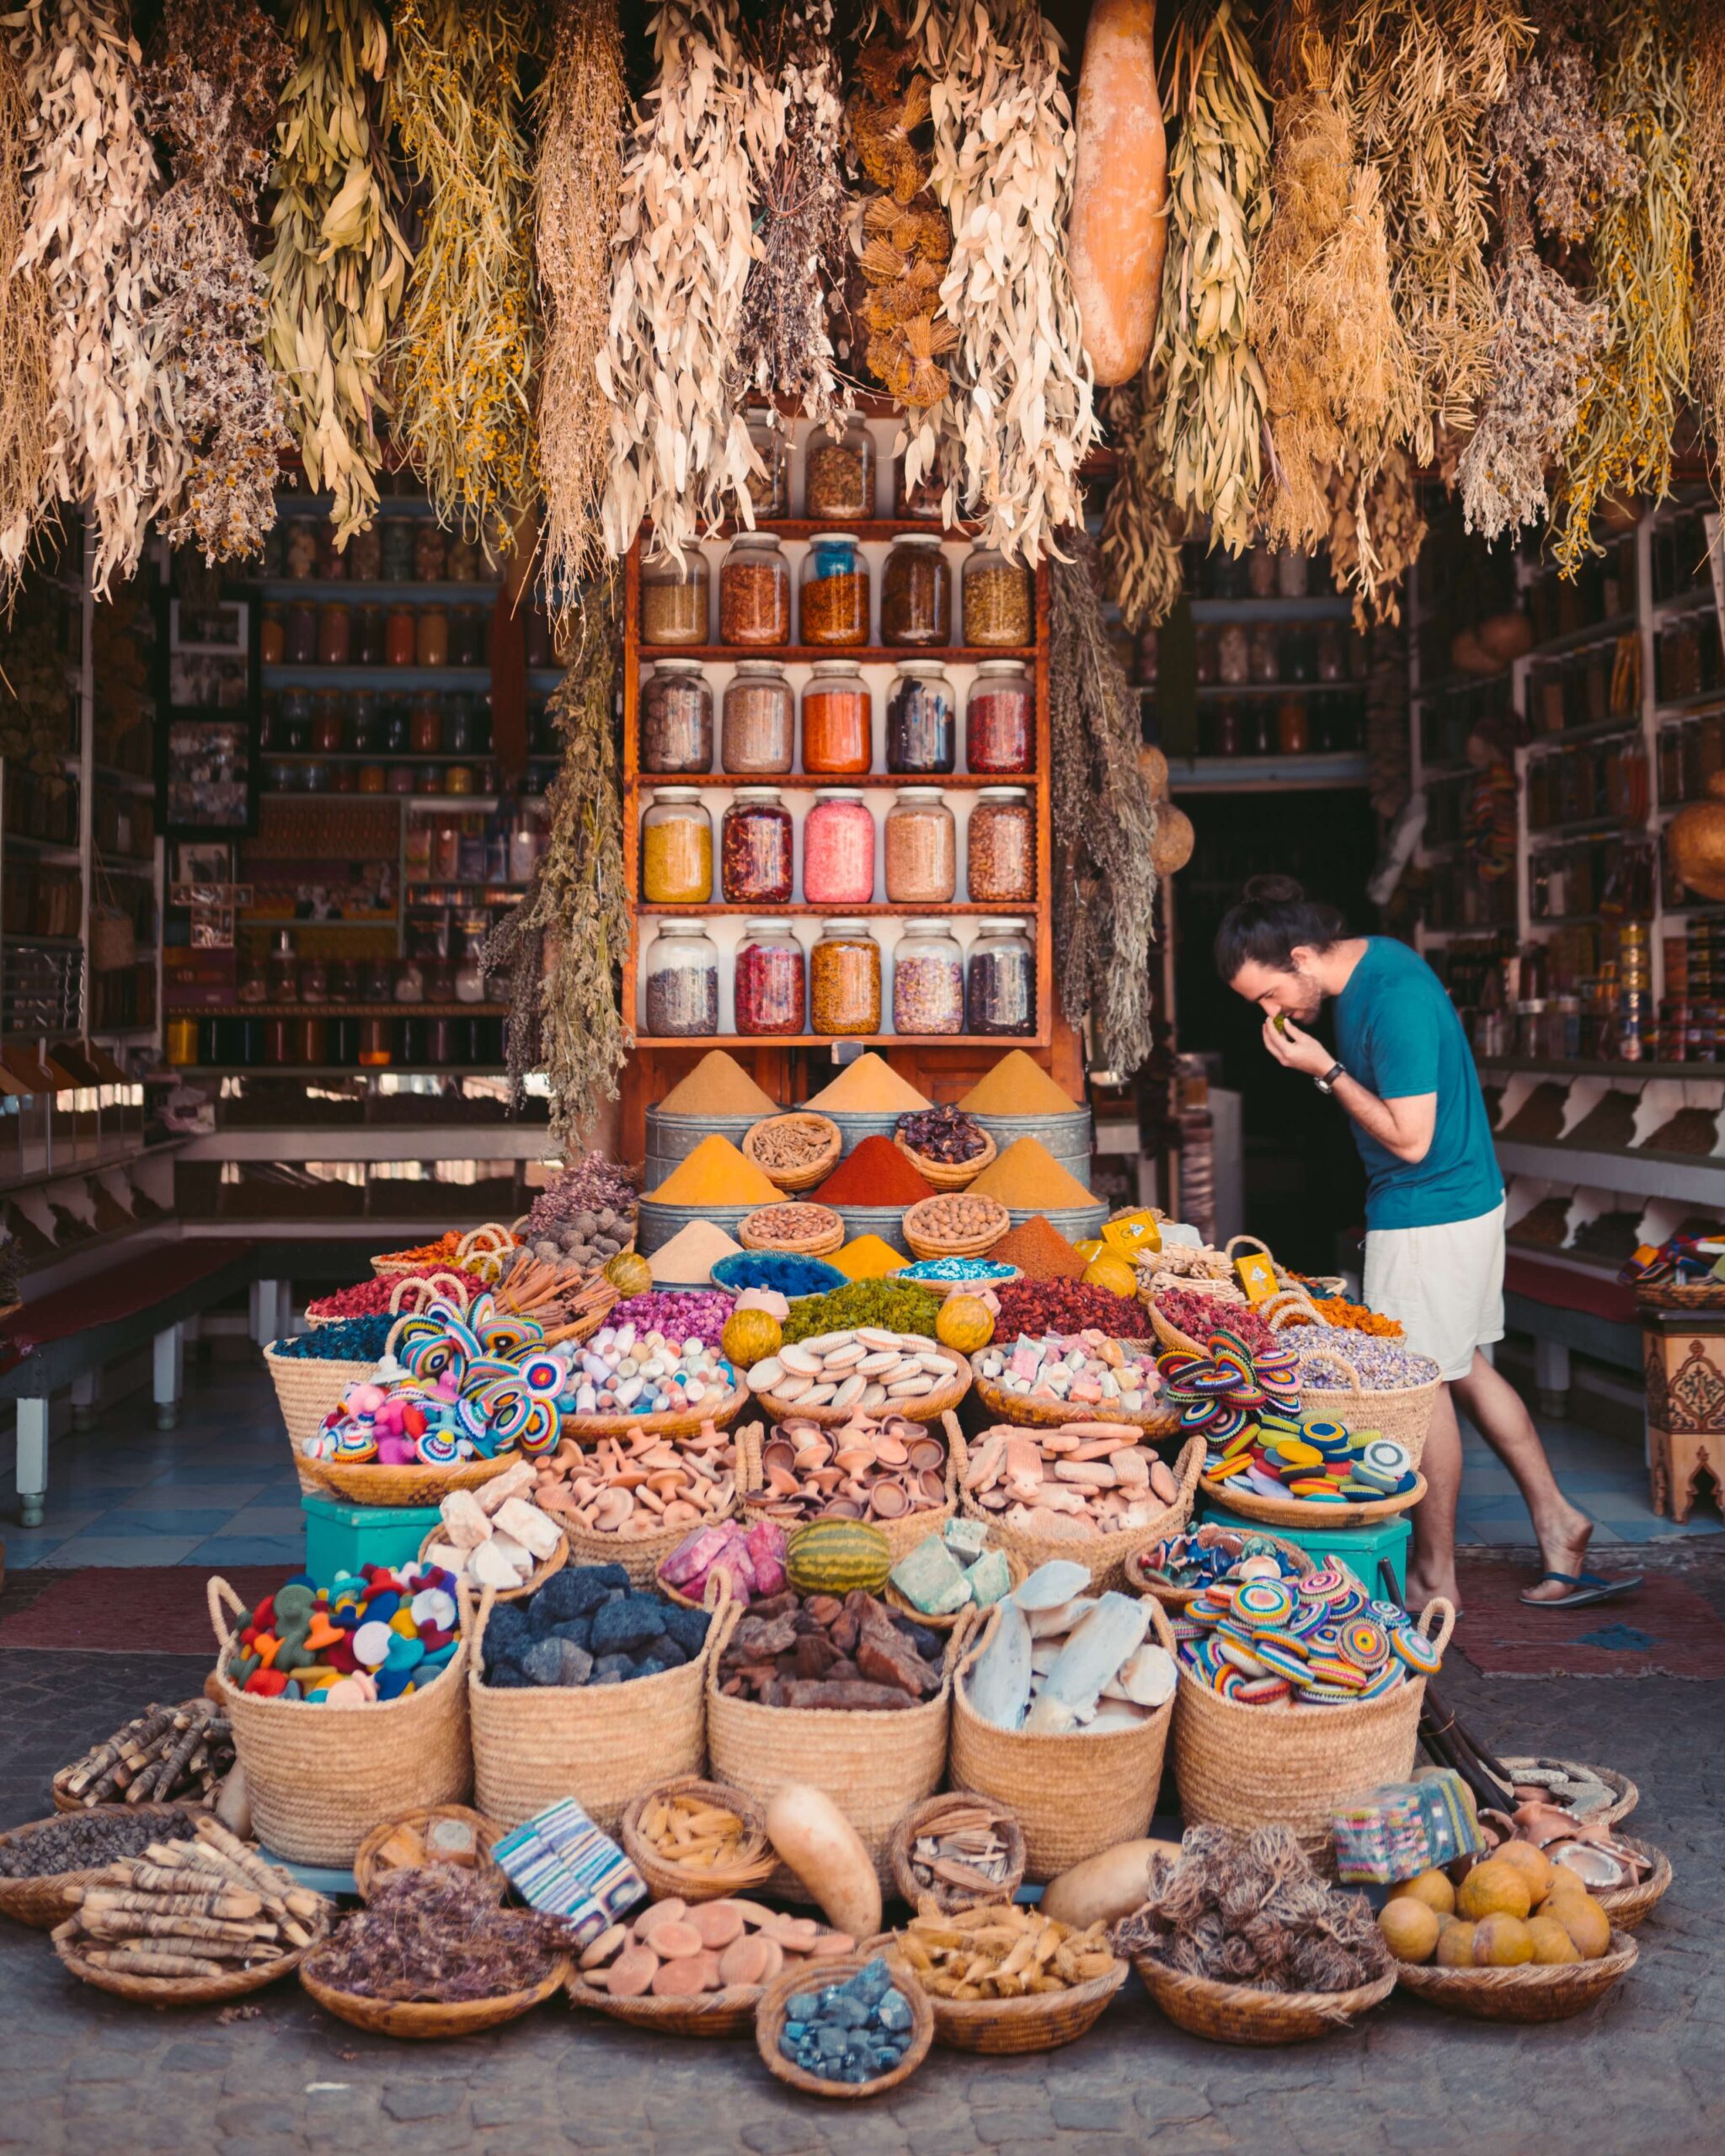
(110, 1899)
(197, 1870)
(298, 1900)
(139, 1961)
(124, 1924)
(104, 1756)
(172, 1763)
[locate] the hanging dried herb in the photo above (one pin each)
(563, 945)
(1706, 80)
(1141, 530)
(1019, 417)
(575, 187)
(795, 133)
(339, 264)
(24, 381)
(1375, 531)
(1419, 77)
(216, 73)
(907, 238)
(680, 457)
(92, 182)
(1211, 419)
(1104, 817)
(461, 364)
(1551, 140)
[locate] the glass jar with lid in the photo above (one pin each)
(838, 474)
(284, 973)
(395, 550)
(770, 988)
(844, 977)
(674, 601)
(677, 849)
(1000, 718)
(923, 500)
(999, 599)
(770, 488)
(676, 718)
(921, 732)
(838, 849)
(916, 592)
(838, 719)
(1000, 983)
(834, 591)
(681, 993)
(755, 849)
(755, 591)
(759, 728)
(928, 980)
(1001, 848)
(922, 848)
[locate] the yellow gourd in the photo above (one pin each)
(964, 1324)
(750, 1336)
(629, 1273)
(1111, 1271)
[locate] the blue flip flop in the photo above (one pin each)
(1589, 1588)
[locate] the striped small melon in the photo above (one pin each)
(836, 1557)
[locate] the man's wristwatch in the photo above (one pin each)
(1326, 1084)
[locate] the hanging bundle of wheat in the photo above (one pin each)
(24, 381)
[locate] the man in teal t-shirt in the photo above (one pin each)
(1403, 1072)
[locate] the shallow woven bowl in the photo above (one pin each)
(926, 1240)
(940, 1402)
(368, 1872)
(733, 1288)
(364, 1482)
(949, 1175)
(818, 1170)
(1303, 1512)
(1157, 1422)
(1176, 1598)
(1624, 1802)
(831, 1236)
(1534, 1992)
(535, 1580)
(1042, 2021)
(683, 1423)
(1629, 1907)
(770, 2021)
(194, 1991)
(1238, 2014)
(431, 2019)
(669, 1880)
(729, 2012)
(925, 1818)
(43, 1900)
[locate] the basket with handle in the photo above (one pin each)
(1169, 1335)
(1404, 1414)
(1039, 1775)
(812, 1172)
(902, 1533)
(1241, 1766)
(453, 1287)
(1104, 1555)
(308, 1390)
(319, 1780)
(1174, 1599)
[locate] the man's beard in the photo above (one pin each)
(1305, 1013)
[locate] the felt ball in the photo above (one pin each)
(345, 1693)
(432, 1606)
(365, 1399)
(266, 1683)
(371, 1643)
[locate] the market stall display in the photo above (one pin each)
(824, 1377)
(957, 1852)
(1004, 1979)
(499, 1536)
(887, 1469)
(1041, 1381)
(634, 1498)
(452, 1834)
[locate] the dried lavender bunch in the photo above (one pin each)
(794, 132)
(211, 92)
(1550, 138)
(440, 1934)
(590, 1184)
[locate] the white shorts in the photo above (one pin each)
(1444, 1285)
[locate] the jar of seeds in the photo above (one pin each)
(834, 591)
(676, 718)
(922, 848)
(928, 980)
(1000, 718)
(1001, 848)
(682, 983)
(759, 728)
(676, 848)
(999, 986)
(917, 593)
(674, 601)
(838, 475)
(1000, 599)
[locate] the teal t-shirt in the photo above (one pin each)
(1398, 1032)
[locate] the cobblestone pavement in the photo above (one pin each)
(81, 2072)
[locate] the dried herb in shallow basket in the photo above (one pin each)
(438, 1935)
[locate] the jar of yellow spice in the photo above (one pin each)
(676, 848)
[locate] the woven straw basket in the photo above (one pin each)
(370, 1872)
(1176, 1598)
(600, 1744)
(1106, 1555)
(320, 1780)
(874, 1767)
(1624, 1798)
(666, 1880)
(1534, 1992)
(771, 2016)
(1405, 1414)
(940, 1402)
(641, 1555)
(948, 1175)
(721, 1413)
(1240, 1765)
(41, 1900)
(814, 1172)
(926, 1240)
(903, 1534)
(1072, 1795)
(367, 1482)
(1034, 1415)
(1018, 1571)
(925, 1818)
(1249, 1504)
(1008, 2028)
(432, 2018)
(1629, 1907)
(1239, 2013)
(728, 2012)
(307, 1389)
(192, 1991)
(535, 1580)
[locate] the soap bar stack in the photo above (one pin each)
(1084, 1369)
(496, 1536)
(953, 1571)
(1060, 1660)
(1085, 1480)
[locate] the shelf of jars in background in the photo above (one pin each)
(264, 1037)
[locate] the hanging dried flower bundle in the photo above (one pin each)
(680, 455)
(1104, 817)
(1705, 79)
(907, 237)
(1376, 531)
(795, 132)
(339, 264)
(1641, 264)
(1551, 140)
(1020, 415)
(575, 188)
(1141, 530)
(24, 385)
(565, 945)
(462, 360)
(1211, 419)
(1419, 77)
(211, 90)
(92, 182)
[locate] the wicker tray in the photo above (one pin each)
(1672, 1295)
(1238, 2014)
(902, 1533)
(1629, 1907)
(940, 1402)
(43, 1901)
(770, 2021)
(364, 1482)
(1018, 1571)
(924, 1817)
(535, 1580)
(1041, 2021)
(1532, 1992)
(368, 1871)
(667, 1880)
(682, 1424)
(1307, 1511)
(727, 2013)
(831, 1237)
(804, 1178)
(1624, 1802)
(1012, 1407)
(977, 1244)
(424, 2018)
(1174, 1599)
(193, 1991)
(946, 1175)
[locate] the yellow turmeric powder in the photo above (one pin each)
(716, 1174)
(1026, 1175)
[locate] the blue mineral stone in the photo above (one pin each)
(806, 2005)
(893, 2012)
(795, 2032)
(829, 1998)
(871, 1982)
(850, 2014)
(856, 2074)
(791, 2048)
(831, 2043)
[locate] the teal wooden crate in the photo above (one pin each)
(341, 1538)
(1358, 1548)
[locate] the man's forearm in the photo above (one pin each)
(1374, 1117)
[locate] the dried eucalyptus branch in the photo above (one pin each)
(461, 361)
(1211, 420)
(1104, 817)
(680, 455)
(795, 133)
(1019, 416)
(25, 347)
(581, 104)
(1141, 530)
(92, 182)
(211, 88)
(338, 265)
(1642, 265)
(1706, 123)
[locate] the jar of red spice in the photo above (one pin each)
(838, 849)
(755, 591)
(1001, 848)
(755, 848)
(838, 719)
(922, 848)
(400, 640)
(844, 974)
(770, 986)
(1000, 718)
